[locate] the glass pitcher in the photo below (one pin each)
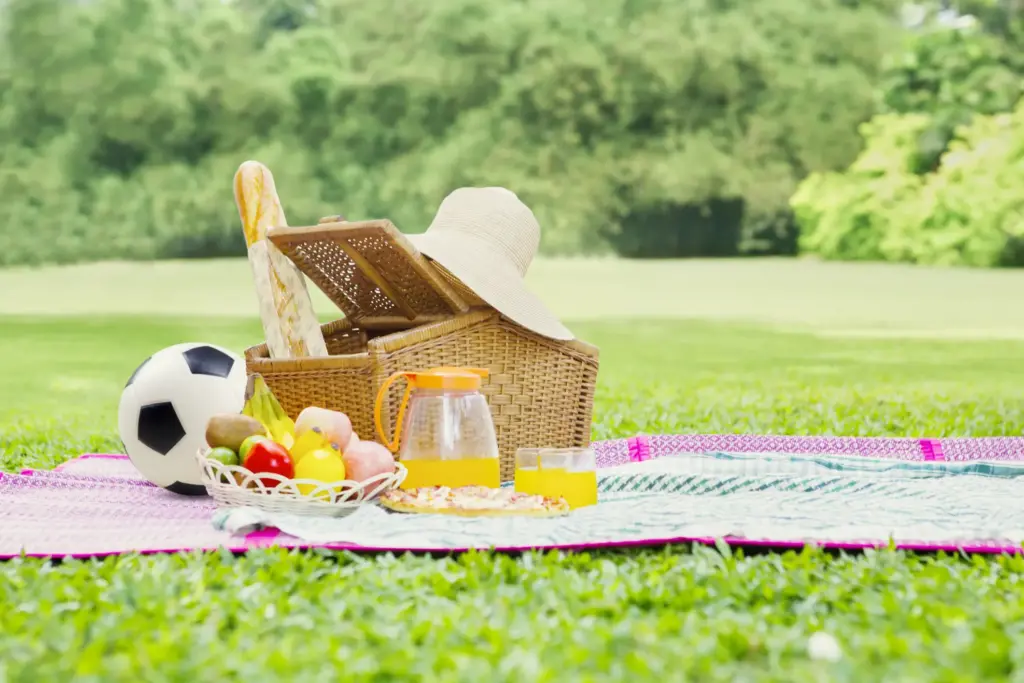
(444, 434)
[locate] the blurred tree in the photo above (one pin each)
(938, 179)
(952, 73)
(962, 58)
(969, 211)
(648, 127)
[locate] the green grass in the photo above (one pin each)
(648, 615)
(858, 299)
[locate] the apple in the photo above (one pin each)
(270, 457)
(223, 455)
(247, 445)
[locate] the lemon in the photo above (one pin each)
(307, 443)
(323, 465)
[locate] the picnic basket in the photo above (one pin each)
(401, 313)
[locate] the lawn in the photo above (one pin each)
(815, 358)
(828, 298)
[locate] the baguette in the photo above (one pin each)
(286, 311)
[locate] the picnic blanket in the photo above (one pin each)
(752, 490)
(763, 497)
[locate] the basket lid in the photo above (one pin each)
(370, 271)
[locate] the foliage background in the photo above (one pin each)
(938, 179)
(640, 127)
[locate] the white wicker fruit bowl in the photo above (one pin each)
(233, 485)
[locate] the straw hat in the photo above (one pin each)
(486, 238)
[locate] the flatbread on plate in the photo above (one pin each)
(473, 501)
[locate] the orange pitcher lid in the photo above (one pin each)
(443, 378)
(459, 379)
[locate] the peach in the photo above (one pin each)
(351, 442)
(367, 459)
(332, 424)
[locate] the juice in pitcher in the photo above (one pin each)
(452, 473)
(444, 434)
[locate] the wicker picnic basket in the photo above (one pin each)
(404, 314)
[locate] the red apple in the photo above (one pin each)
(269, 457)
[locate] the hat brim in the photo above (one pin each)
(490, 276)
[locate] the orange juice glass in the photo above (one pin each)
(527, 478)
(570, 473)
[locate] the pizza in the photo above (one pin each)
(473, 501)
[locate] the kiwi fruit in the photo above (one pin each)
(229, 431)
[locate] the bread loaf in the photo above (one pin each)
(286, 311)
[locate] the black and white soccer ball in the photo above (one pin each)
(166, 405)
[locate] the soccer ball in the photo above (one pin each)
(165, 408)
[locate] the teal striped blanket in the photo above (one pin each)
(767, 497)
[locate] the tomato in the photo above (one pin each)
(270, 457)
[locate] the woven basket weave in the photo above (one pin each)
(402, 314)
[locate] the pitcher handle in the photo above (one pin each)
(392, 444)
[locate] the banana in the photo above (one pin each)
(275, 405)
(283, 424)
(267, 409)
(247, 407)
(267, 417)
(284, 437)
(250, 396)
(254, 404)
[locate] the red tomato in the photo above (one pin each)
(269, 457)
